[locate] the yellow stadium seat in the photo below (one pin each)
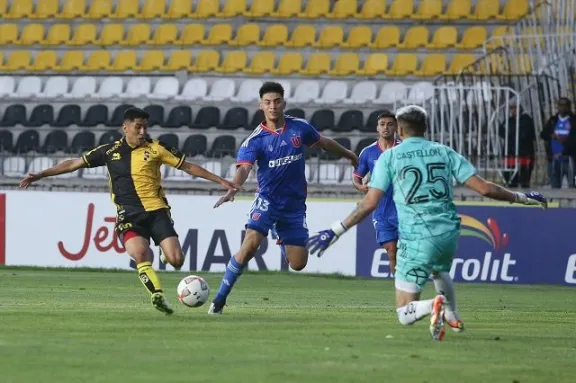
(262, 62)
(97, 61)
(531, 37)
(496, 39)
(493, 64)
(179, 9)
(179, 60)
(126, 9)
(346, 64)
(137, 35)
(31, 34)
(84, 34)
(290, 63)
(19, 9)
(2, 66)
(44, 60)
(400, 9)
(233, 8)
(486, 10)
(165, 34)
(100, 9)
(415, 37)
(331, 36)
(303, 35)
(318, 63)
(18, 60)
(372, 9)
(457, 9)
(316, 9)
(207, 61)
(404, 64)
(433, 65)
(206, 8)
(247, 34)
(3, 8)
(71, 61)
(460, 62)
(358, 37)
(153, 9)
(428, 10)
(444, 37)
(111, 34)
(375, 64)
(288, 9)
(275, 35)
(191, 35)
(514, 10)
(343, 9)
(233, 62)
(73, 9)
(57, 35)
(8, 33)
(474, 37)
(523, 65)
(260, 8)
(387, 37)
(219, 34)
(124, 61)
(46, 9)
(151, 61)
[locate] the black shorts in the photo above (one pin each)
(156, 224)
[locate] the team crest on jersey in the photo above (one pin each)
(297, 141)
(146, 155)
(255, 216)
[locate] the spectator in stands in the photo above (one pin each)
(559, 134)
(526, 153)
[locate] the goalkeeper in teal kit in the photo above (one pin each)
(421, 173)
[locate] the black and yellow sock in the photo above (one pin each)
(149, 277)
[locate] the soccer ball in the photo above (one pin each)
(193, 291)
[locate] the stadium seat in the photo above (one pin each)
(223, 146)
(55, 141)
(365, 141)
(169, 139)
(44, 60)
(262, 62)
(404, 64)
(109, 137)
(457, 9)
(290, 63)
(95, 115)
(178, 117)
(178, 60)
(358, 37)
(444, 37)
(496, 39)
(178, 9)
(14, 115)
(28, 141)
(28, 87)
(83, 87)
(118, 115)
(14, 167)
(318, 64)
(372, 9)
(42, 114)
(165, 88)
(420, 92)
(207, 61)
(346, 64)
(233, 62)
(460, 62)
(18, 60)
(152, 9)
(205, 9)
(6, 141)
(428, 10)
(150, 61)
(124, 61)
(73, 9)
(110, 87)
(58, 34)
(387, 37)
(260, 8)
(138, 34)
(207, 117)
(400, 9)
(258, 118)
(333, 92)
(376, 63)
(235, 118)
(323, 119)
(195, 145)
(371, 123)
(232, 8)
(74, 60)
(156, 113)
(100, 9)
(474, 37)
(19, 9)
(302, 36)
(287, 85)
(126, 9)
(55, 87)
(514, 9)
(248, 91)
(343, 9)
(415, 37)
(165, 34)
(349, 120)
(31, 34)
(275, 35)
(363, 92)
(219, 34)
(315, 9)
(7, 85)
(486, 10)
(222, 89)
(390, 93)
(246, 34)
(306, 92)
(45, 9)
(433, 65)
(111, 34)
(192, 34)
(331, 36)
(288, 9)
(9, 34)
(69, 115)
(194, 89)
(329, 173)
(84, 34)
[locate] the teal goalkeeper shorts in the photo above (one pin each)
(417, 258)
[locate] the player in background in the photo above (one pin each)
(143, 211)
(421, 173)
(384, 218)
(277, 146)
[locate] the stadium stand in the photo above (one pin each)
(69, 68)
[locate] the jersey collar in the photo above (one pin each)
(275, 132)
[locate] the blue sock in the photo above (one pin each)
(233, 271)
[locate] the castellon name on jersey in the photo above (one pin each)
(281, 161)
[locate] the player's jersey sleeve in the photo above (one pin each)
(462, 169)
(381, 177)
(96, 157)
(248, 152)
(363, 168)
(310, 136)
(170, 155)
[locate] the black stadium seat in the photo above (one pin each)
(350, 120)
(14, 115)
(256, 120)
(207, 117)
(82, 142)
(56, 141)
(323, 119)
(6, 141)
(223, 146)
(118, 115)
(156, 113)
(235, 118)
(364, 143)
(295, 112)
(179, 116)
(110, 136)
(371, 122)
(344, 141)
(28, 141)
(41, 115)
(69, 115)
(170, 140)
(96, 115)
(195, 145)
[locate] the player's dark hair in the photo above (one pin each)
(133, 113)
(413, 119)
(386, 114)
(565, 100)
(271, 87)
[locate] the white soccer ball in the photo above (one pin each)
(193, 291)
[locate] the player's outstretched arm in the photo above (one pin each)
(63, 167)
(199, 171)
(242, 173)
(497, 192)
(330, 145)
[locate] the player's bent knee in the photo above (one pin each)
(297, 257)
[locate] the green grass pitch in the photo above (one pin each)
(84, 326)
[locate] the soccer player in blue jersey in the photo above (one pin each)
(384, 218)
(277, 146)
(421, 173)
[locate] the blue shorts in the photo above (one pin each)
(291, 228)
(386, 230)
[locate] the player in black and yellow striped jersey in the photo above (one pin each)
(143, 212)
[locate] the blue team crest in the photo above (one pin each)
(297, 141)
(270, 148)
